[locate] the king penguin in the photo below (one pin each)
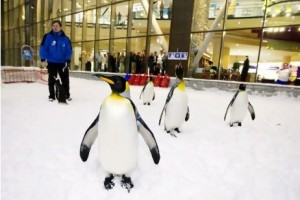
(238, 107)
(148, 92)
(116, 130)
(176, 107)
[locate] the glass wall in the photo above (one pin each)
(266, 31)
(221, 35)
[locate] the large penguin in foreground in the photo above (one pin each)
(238, 107)
(148, 92)
(116, 129)
(176, 107)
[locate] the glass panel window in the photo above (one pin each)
(121, 20)
(138, 46)
(104, 2)
(87, 55)
(283, 14)
(280, 50)
(33, 35)
(22, 16)
(89, 4)
(66, 8)
(119, 51)
(77, 56)
(89, 25)
(161, 15)
(67, 25)
(102, 47)
(208, 15)
(78, 26)
(104, 22)
(11, 19)
(139, 21)
(56, 8)
(79, 5)
(204, 60)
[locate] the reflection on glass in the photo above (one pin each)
(89, 25)
(79, 5)
(66, 8)
(78, 26)
(89, 4)
(121, 20)
(104, 22)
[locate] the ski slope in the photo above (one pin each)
(208, 160)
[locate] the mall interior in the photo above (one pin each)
(217, 35)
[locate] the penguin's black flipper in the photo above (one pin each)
(88, 139)
(153, 96)
(251, 110)
(167, 101)
(187, 116)
(147, 134)
(143, 89)
(230, 104)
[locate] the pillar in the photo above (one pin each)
(180, 37)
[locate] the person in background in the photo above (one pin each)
(55, 54)
(88, 64)
(122, 63)
(99, 62)
(161, 10)
(245, 70)
(284, 74)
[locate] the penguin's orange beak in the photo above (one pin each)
(107, 80)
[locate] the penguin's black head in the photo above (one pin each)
(116, 83)
(242, 87)
(179, 72)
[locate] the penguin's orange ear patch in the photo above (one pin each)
(107, 80)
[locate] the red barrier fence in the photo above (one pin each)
(23, 74)
(141, 79)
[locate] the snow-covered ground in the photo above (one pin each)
(208, 160)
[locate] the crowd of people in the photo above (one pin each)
(135, 62)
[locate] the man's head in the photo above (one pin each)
(56, 26)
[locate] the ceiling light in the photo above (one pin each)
(281, 29)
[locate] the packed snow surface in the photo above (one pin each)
(208, 160)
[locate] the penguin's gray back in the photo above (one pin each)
(117, 139)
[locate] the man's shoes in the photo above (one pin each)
(51, 99)
(69, 99)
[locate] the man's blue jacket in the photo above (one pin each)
(56, 47)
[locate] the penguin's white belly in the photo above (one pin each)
(176, 110)
(117, 137)
(239, 108)
(148, 93)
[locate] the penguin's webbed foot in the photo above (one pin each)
(231, 124)
(126, 183)
(108, 183)
(148, 104)
(239, 124)
(177, 130)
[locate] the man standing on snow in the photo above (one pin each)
(55, 54)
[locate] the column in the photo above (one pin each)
(180, 37)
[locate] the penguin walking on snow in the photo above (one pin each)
(116, 130)
(176, 107)
(60, 93)
(238, 107)
(148, 92)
